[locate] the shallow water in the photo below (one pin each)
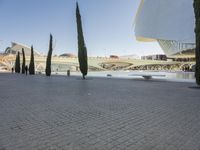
(127, 74)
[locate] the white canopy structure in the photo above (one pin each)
(170, 22)
(17, 47)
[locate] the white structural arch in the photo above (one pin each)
(17, 47)
(170, 22)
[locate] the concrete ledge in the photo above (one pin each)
(147, 76)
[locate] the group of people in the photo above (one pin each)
(26, 70)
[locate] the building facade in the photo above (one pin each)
(17, 47)
(160, 57)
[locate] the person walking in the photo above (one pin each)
(26, 69)
(12, 69)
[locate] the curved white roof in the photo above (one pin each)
(166, 19)
(171, 20)
(15, 47)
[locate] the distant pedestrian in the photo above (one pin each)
(68, 73)
(12, 69)
(26, 69)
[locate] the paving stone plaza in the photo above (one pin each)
(67, 113)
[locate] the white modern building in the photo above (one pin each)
(17, 47)
(169, 22)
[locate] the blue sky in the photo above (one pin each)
(107, 25)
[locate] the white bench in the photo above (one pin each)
(147, 76)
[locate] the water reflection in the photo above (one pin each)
(126, 74)
(180, 75)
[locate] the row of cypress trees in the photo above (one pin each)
(82, 50)
(31, 65)
(82, 53)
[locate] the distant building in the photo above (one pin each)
(114, 57)
(155, 57)
(68, 55)
(130, 57)
(169, 22)
(16, 47)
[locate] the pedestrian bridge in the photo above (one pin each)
(62, 64)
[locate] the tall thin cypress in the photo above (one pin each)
(17, 63)
(197, 31)
(24, 61)
(48, 62)
(82, 50)
(32, 64)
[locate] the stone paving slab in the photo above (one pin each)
(61, 113)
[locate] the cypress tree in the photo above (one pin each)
(197, 31)
(32, 64)
(17, 63)
(82, 50)
(48, 62)
(24, 61)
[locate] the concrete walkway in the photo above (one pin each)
(60, 113)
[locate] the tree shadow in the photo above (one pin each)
(195, 87)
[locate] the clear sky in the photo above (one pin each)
(107, 26)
